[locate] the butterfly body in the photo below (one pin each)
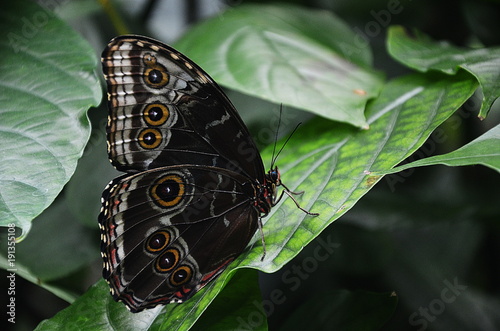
(195, 187)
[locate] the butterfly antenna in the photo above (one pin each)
(286, 141)
(273, 158)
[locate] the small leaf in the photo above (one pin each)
(48, 83)
(423, 54)
(484, 150)
(275, 53)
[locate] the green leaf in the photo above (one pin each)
(484, 150)
(20, 270)
(94, 311)
(49, 260)
(275, 53)
(332, 163)
(48, 83)
(423, 54)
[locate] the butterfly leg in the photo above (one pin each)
(291, 194)
(262, 239)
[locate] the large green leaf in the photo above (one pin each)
(484, 150)
(275, 53)
(421, 53)
(47, 85)
(43, 258)
(332, 163)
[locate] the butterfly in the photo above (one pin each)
(194, 189)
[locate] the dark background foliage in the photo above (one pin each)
(429, 235)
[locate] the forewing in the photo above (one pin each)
(165, 110)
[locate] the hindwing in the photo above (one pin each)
(168, 231)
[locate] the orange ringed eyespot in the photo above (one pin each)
(168, 191)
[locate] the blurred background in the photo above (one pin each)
(429, 235)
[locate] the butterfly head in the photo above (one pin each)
(273, 176)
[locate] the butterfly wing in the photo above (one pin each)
(165, 110)
(167, 232)
(195, 199)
